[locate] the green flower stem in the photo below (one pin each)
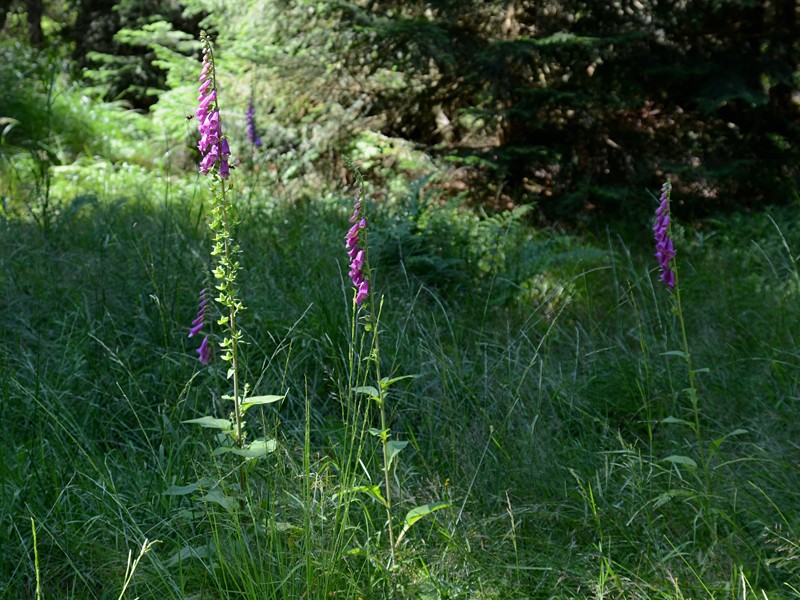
(226, 252)
(687, 356)
(374, 357)
(385, 433)
(230, 275)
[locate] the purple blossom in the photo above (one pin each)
(213, 146)
(665, 249)
(250, 120)
(197, 324)
(355, 252)
(204, 351)
(363, 292)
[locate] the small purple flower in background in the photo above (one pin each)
(665, 249)
(212, 145)
(250, 120)
(355, 253)
(204, 351)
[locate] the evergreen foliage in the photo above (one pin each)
(573, 106)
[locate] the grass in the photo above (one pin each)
(548, 407)
(546, 420)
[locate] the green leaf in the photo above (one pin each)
(285, 527)
(662, 499)
(211, 423)
(375, 432)
(386, 382)
(393, 448)
(255, 449)
(372, 490)
(217, 497)
(415, 514)
(681, 460)
(182, 490)
(187, 552)
(718, 442)
(369, 390)
(678, 421)
(256, 400)
(680, 353)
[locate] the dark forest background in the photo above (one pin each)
(574, 107)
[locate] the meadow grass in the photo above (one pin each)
(547, 421)
(548, 409)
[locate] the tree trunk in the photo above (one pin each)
(35, 8)
(5, 6)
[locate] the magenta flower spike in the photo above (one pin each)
(665, 249)
(356, 253)
(213, 145)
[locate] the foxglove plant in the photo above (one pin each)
(225, 252)
(665, 254)
(364, 310)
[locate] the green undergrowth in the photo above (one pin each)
(547, 409)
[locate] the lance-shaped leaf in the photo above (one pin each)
(211, 423)
(393, 448)
(187, 552)
(255, 449)
(678, 421)
(182, 490)
(369, 390)
(256, 400)
(386, 381)
(372, 490)
(718, 442)
(415, 514)
(677, 459)
(220, 498)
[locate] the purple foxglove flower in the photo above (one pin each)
(213, 146)
(207, 99)
(356, 253)
(352, 235)
(209, 161)
(250, 120)
(363, 292)
(197, 324)
(665, 249)
(204, 351)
